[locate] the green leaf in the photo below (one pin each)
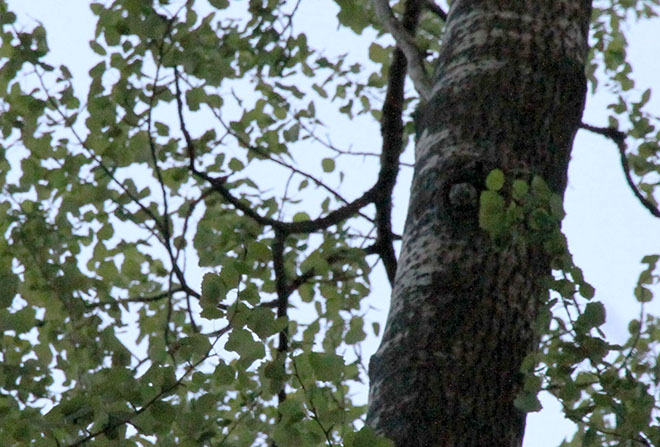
(326, 366)
(495, 180)
(306, 292)
(164, 412)
(634, 327)
(540, 188)
(593, 316)
(528, 402)
(194, 97)
(230, 276)
(98, 49)
(224, 374)
(262, 322)
(540, 220)
(491, 212)
(10, 284)
(366, 437)
(97, 8)
(236, 165)
(242, 343)
(356, 332)
(162, 129)
(219, 4)
(66, 73)
(320, 90)
(301, 217)
(214, 292)
(353, 15)
(328, 164)
(379, 54)
(587, 290)
(292, 133)
(652, 260)
(213, 287)
(291, 411)
(259, 251)
(643, 294)
(196, 345)
(590, 438)
(520, 189)
(21, 321)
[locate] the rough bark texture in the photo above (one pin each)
(509, 93)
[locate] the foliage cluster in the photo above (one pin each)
(608, 390)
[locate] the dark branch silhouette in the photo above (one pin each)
(619, 138)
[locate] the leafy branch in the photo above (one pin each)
(163, 392)
(302, 227)
(160, 225)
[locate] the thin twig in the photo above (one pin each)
(264, 153)
(303, 227)
(139, 299)
(164, 391)
(315, 414)
(619, 138)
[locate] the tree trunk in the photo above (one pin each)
(509, 93)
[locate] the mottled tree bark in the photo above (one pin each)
(508, 93)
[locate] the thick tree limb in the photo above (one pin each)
(619, 138)
(391, 129)
(306, 226)
(460, 301)
(406, 42)
(282, 300)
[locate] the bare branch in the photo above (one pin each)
(436, 9)
(391, 129)
(328, 144)
(282, 300)
(406, 42)
(300, 280)
(139, 299)
(619, 138)
(264, 153)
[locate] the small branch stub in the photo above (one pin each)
(463, 196)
